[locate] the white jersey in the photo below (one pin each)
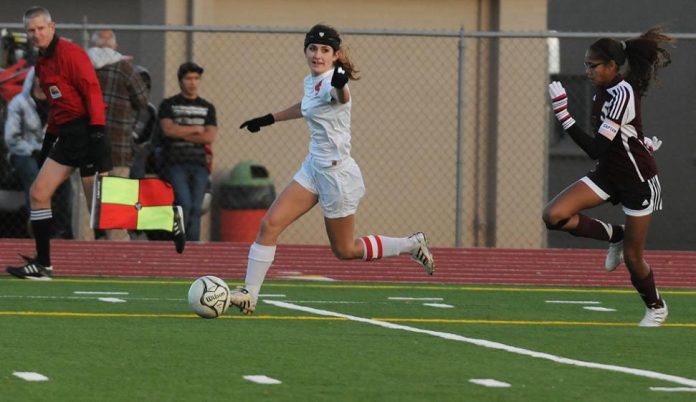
(328, 120)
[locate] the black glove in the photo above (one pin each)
(46, 147)
(99, 144)
(254, 125)
(340, 77)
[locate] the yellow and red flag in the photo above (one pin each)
(121, 203)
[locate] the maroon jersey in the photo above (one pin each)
(70, 83)
(616, 115)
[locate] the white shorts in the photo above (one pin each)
(339, 187)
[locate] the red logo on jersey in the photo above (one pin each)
(317, 87)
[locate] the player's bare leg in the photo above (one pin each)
(341, 232)
(290, 205)
(561, 213)
(642, 278)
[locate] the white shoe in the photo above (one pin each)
(614, 256)
(654, 317)
(242, 299)
(422, 254)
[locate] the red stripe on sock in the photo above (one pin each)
(368, 248)
(380, 253)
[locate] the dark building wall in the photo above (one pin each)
(667, 111)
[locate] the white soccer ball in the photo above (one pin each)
(209, 296)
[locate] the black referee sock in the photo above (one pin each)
(42, 225)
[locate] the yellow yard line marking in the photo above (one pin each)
(144, 315)
(315, 318)
(338, 285)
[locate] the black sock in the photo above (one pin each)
(41, 224)
(647, 290)
(590, 228)
(617, 233)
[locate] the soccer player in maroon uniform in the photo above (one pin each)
(76, 120)
(626, 172)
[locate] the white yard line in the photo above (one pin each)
(80, 292)
(30, 376)
(495, 345)
(261, 379)
(676, 389)
(416, 298)
(573, 302)
(438, 305)
(595, 308)
(317, 278)
(111, 300)
(326, 301)
(48, 297)
(489, 382)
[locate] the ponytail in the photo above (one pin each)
(646, 57)
(644, 54)
(347, 64)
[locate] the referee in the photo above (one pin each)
(75, 136)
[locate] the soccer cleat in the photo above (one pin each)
(422, 254)
(32, 270)
(178, 230)
(614, 256)
(241, 298)
(654, 317)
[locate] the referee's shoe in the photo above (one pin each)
(32, 270)
(178, 230)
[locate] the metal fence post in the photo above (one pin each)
(461, 50)
(85, 33)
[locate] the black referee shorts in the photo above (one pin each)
(73, 145)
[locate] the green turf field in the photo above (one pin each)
(342, 342)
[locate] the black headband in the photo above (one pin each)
(322, 37)
(611, 49)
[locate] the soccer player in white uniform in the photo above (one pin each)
(626, 171)
(328, 176)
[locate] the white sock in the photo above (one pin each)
(378, 246)
(260, 260)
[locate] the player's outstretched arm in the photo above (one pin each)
(255, 124)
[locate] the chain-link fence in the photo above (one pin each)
(452, 130)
